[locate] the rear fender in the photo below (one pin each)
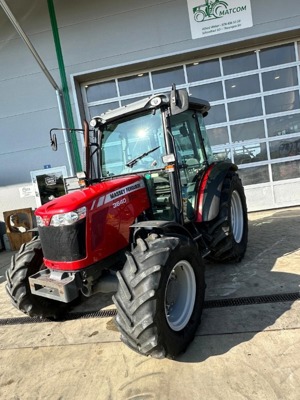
(210, 190)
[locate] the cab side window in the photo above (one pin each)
(190, 156)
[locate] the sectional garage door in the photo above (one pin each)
(255, 115)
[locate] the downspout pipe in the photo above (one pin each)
(50, 78)
(65, 134)
(65, 89)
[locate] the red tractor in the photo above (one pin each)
(150, 206)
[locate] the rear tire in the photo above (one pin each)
(160, 296)
(228, 233)
(27, 262)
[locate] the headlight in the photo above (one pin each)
(40, 221)
(68, 218)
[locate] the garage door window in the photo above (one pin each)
(255, 116)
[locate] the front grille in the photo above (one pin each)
(64, 243)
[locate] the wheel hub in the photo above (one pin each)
(180, 295)
(237, 216)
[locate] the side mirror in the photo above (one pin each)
(53, 141)
(179, 100)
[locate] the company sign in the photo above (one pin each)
(208, 17)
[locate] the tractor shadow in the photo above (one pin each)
(270, 266)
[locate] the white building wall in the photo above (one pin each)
(95, 35)
(28, 105)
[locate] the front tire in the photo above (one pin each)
(27, 262)
(160, 296)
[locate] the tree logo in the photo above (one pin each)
(210, 10)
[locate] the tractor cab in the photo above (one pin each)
(164, 139)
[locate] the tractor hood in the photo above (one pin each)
(93, 196)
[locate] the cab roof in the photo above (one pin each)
(149, 103)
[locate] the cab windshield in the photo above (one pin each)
(133, 144)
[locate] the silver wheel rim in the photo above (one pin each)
(180, 295)
(237, 217)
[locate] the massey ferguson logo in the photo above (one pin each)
(112, 196)
(214, 9)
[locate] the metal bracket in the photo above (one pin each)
(55, 285)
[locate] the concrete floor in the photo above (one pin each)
(240, 352)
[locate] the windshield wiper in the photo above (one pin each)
(131, 163)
